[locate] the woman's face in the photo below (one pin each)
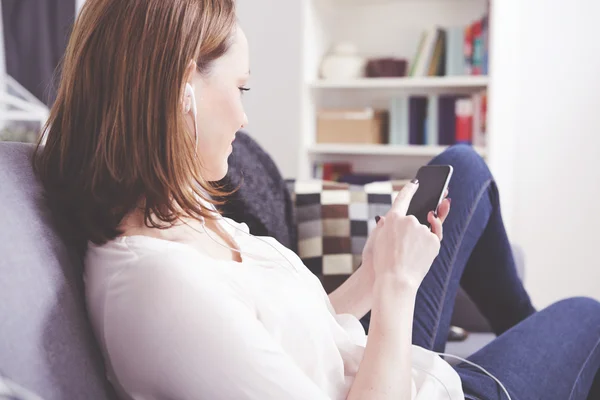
(220, 112)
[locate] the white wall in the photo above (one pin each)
(557, 137)
(273, 105)
(2, 66)
(2, 51)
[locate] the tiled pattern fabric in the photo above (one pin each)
(333, 222)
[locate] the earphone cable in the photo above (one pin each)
(293, 267)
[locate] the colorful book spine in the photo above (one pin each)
(468, 49)
(333, 171)
(485, 37)
(479, 119)
(464, 121)
(477, 56)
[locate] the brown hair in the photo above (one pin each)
(116, 138)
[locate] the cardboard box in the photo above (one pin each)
(366, 126)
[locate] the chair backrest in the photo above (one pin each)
(46, 343)
(263, 201)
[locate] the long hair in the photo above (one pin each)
(116, 139)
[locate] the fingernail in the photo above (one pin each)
(377, 218)
(449, 200)
(415, 181)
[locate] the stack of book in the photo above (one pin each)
(438, 120)
(342, 172)
(453, 51)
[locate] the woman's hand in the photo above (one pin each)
(402, 248)
(436, 227)
(437, 222)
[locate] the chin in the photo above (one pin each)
(218, 168)
(216, 174)
(223, 172)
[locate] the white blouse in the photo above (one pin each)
(176, 324)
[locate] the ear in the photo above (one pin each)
(189, 71)
(188, 77)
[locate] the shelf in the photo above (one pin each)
(372, 2)
(431, 83)
(382, 150)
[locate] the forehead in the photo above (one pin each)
(237, 57)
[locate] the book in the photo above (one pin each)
(437, 65)
(318, 171)
(413, 65)
(468, 49)
(333, 171)
(432, 124)
(398, 121)
(447, 119)
(425, 56)
(477, 115)
(486, 44)
(454, 54)
(479, 119)
(417, 106)
(477, 49)
(464, 121)
(363, 179)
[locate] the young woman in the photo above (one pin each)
(188, 305)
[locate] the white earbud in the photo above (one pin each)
(189, 102)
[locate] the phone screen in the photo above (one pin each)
(433, 181)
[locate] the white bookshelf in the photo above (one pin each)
(378, 28)
(431, 84)
(381, 150)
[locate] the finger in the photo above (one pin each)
(444, 210)
(403, 199)
(436, 225)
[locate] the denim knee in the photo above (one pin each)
(584, 305)
(583, 309)
(467, 163)
(460, 154)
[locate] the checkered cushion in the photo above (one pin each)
(333, 222)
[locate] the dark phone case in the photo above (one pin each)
(433, 180)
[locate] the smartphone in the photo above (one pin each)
(433, 182)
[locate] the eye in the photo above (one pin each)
(243, 89)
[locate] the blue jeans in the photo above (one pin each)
(550, 354)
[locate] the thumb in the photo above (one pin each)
(405, 196)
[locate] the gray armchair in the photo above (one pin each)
(46, 343)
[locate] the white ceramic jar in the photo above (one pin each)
(343, 62)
